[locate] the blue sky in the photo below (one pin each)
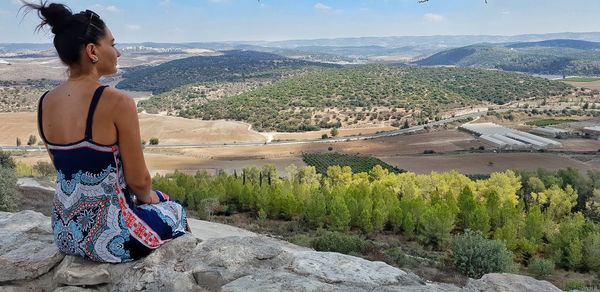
(227, 20)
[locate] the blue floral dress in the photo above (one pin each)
(94, 213)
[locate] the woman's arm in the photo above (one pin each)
(134, 167)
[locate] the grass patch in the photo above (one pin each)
(549, 122)
(582, 79)
(358, 163)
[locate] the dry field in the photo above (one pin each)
(169, 130)
(590, 85)
(32, 68)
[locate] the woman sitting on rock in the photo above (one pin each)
(104, 208)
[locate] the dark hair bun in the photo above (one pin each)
(57, 16)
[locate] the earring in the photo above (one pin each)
(94, 61)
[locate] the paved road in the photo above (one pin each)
(328, 140)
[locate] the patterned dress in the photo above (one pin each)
(94, 213)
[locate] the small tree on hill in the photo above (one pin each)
(153, 141)
(334, 132)
(18, 141)
(32, 140)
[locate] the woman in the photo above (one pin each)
(104, 208)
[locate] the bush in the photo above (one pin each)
(8, 188)
(44, 169)
(574, 285)
(591, 251)
(541, 268)
(475, 256)
(32, 140)
(324, 136)
(6, 160)
(153, 141)
(339, 242)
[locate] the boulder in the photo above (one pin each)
(509, 282)
(27, 249)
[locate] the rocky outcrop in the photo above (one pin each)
(214, 257)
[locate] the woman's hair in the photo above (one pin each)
(71, 31)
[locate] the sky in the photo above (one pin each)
(271, 20)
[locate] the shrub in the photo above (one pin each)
(475, 256)
(339, 242)
(44, 169)
(153, 141)
(574, 285)
(32, 140)
(8, 188)
(540, 267)
(6, 160)
(324, 136)
(591, 251)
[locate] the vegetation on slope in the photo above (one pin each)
(555, 57)
(298, 103)
(517, 218)
(230, 66)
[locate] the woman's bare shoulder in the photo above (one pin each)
(118, 99)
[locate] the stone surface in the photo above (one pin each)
(509, 282)
(214, 257)
(333, 267)
(27, 249)
(76, 271)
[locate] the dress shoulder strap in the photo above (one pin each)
(90, 116)
(40, 126)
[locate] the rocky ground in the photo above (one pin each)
(214, 257)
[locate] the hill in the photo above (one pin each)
(333, 97)
(230, 66)
(554, 57)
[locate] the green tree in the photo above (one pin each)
(315, 211)
(153, 141)
(436, 224)
(339, 216)
(591, 251)
(18, 142)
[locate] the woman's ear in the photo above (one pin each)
(90, 51)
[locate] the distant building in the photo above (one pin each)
(507, 138)
(550, 132)
(592, 132)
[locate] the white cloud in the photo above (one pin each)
(134, 27)
(108, 8)
(112, 8)
(432, 17)
(505, 12)
(322, 7)
(165, 2)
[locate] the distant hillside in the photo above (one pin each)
(554, 57)
(333, 97)
(573, 44)
(230, 66)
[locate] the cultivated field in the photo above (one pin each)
(484, 163)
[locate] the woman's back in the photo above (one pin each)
(66, 110)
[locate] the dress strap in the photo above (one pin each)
(40, 126)
(90, 116)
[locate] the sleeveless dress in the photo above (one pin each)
(94, 213)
